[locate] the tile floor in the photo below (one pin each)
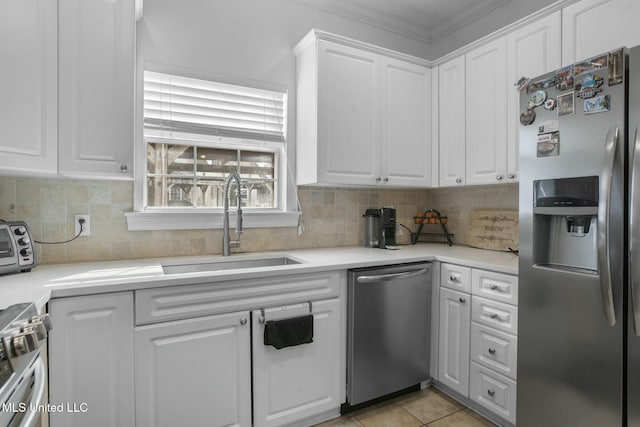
(424, 408)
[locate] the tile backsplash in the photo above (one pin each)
(331, 217)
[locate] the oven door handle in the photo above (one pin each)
(33, 417)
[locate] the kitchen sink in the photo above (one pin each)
(232, 264)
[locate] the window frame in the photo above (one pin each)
(184, 218)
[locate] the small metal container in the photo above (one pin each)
(371, 228)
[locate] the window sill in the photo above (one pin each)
(141, 221)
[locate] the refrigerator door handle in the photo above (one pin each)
(634, 234)
(604, 209)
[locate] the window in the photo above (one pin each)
(196, 133)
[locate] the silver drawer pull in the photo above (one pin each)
(243, 321)
(491, 392)
(453, 278)
(492, 351)
(462, 300)
(493, 315)
(493, 287)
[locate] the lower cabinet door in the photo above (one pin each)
(194, 373)
(493, 391)
(91, 361)
(453, 336)
(297, 382)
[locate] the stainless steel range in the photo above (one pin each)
(22, 372)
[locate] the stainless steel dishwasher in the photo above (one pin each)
(389, 316)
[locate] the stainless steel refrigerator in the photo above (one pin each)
(578, 348)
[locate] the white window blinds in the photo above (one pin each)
(189, 105)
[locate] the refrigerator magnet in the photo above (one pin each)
(564, 78)
(590, 65)
(615, 67)
(548, 144)
(566, 104)
(599, 104)
(527, 117)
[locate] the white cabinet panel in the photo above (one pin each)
(348, 115)
(451, 114)
(494, 349)
(406, 119)
(532, 50)
(96, 54)
(486, 113)
(493, 391)
(496, 286)
(194, 372)
(592, 27)
(29, 86)
(455, 277)
(91, 360)
(453, 337)
(297, 382)
(495, 314)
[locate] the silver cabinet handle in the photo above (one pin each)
(462, 300)
(392, 276)
(493, 315)
(511, 176)
(378, 179)
(604, 210)
(634, 238)
(458, 180)
(493, 287)
(386, 179)
(491, 392)
(124, 167)
(492, 351)
(453, 278)
(499, 177)
(243, 321)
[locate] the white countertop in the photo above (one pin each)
(50, 281)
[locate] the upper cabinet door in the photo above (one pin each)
(96, 53)
(348, 115)
(29, 85)
(406, 119)
(451, 116)
(486, 96)
(592, 27)
(532, 50)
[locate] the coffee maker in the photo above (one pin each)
(384, 232)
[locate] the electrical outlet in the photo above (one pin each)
(86, 227)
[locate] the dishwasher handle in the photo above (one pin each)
(392, 276)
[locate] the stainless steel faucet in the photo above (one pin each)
(227, 243)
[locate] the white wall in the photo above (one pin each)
(246, 39)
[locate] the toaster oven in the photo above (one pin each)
(16, 247)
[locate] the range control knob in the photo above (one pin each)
(24, 241)
(44, 319)
(20, 231)
(26, 251)
(24, 343)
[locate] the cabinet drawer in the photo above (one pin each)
(494, 349)
(500, 287)
(495, 314)
(187, 301)
(455, 277)
(493, 391)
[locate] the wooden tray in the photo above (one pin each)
(495, 229)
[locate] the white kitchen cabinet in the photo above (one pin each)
(452, 130)
(532, 50)
(298, 382)
(405, 120)
(29, 86)
(453, 335)
(96, 60)
(486, 113)
(363, 118)
(194, 372)
(493, 391)
(592, 27)
(91, 360)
